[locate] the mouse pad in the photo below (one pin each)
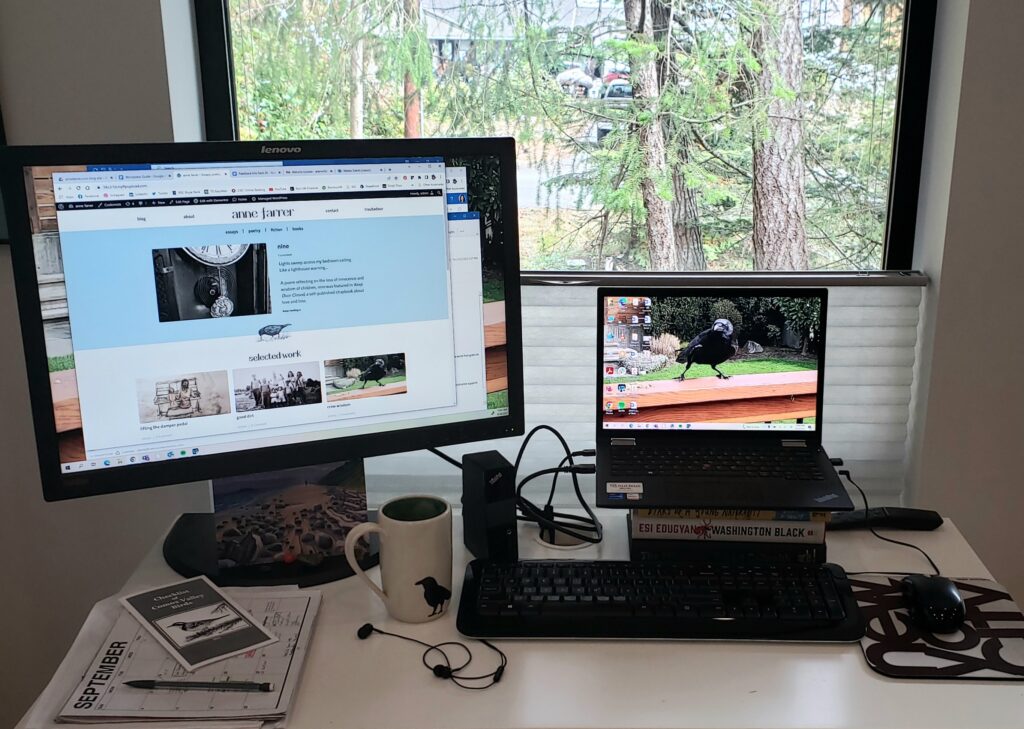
(990, 645)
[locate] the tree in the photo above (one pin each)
(650, 138)
(779, 236)
(689, 241)
(411, 91)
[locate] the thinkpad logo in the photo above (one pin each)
(279, 150)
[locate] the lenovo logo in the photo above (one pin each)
(279, 150)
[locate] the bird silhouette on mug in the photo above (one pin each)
(436, 595)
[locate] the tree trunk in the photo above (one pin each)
(779, 237)
(411, 93)
(689, 240)
(355, 99)
(644, 76)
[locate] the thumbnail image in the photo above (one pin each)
(204, 623)
(715, 360)
(371, 376)
(280, 516)
(211, 281)
(277, 386)
(194, 395)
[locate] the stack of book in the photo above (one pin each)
(696, 533)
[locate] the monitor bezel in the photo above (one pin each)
(812, 436)
(59, 485)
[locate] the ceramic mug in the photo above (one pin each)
(415, 557)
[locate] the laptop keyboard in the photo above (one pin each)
(714, 462)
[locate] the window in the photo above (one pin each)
(664, 135)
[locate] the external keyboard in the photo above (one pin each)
(658, 600)
(714, 462)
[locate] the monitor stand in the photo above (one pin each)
(275, 528)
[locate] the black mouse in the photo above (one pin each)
(934, 603)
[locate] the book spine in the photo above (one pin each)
(729, 530)
(734, 514)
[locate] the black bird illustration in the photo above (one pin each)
(272, 330)
(376, 372)
(436, 595)
(711, 347)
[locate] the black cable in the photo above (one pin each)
(546, 517)
(447, 671)
(846, 474)
(445, 457)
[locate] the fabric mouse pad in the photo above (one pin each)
(990, 645)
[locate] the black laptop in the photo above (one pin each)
(712, 398)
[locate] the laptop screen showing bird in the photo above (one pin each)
(708, 361)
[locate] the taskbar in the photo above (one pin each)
(634, 425)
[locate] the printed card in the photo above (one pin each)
(197, 623)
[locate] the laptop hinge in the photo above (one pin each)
(793, 443)
(623, 441)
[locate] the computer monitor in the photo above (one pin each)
(712, 361)
(193, 311)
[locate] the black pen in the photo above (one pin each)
(202, 685)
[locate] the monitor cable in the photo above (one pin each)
(587, 529)
(846, 474)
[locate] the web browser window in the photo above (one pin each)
(220, 307)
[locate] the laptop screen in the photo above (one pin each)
(725, 360)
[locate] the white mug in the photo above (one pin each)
(415, 557)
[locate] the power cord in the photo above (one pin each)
(846, 474)
(584, 528)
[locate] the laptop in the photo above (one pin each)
(712, 398)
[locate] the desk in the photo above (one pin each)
(380, 684)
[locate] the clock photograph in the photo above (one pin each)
(191, 395)
(211, 281)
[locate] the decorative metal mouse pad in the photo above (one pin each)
(990, 645)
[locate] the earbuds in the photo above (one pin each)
(445, 670)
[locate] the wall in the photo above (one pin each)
(75, 72)
(968, 412)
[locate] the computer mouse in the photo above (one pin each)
(934, 603)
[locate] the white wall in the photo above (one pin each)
(968, 416)
(75, 72)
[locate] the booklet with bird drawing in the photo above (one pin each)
(197, 623)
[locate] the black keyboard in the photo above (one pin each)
(714, 462)
(658, 600)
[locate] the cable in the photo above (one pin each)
(846, 474)
(584, 528)
(446, 670)
(446, 457)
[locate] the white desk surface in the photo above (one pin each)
(380, 683)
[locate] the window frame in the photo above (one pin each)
(220, 113)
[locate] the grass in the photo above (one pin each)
(497, 399)
(494, 290)
(61, 363)
(358, 385)
(793, 421)
(737, 367)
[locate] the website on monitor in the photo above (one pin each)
(222, 309)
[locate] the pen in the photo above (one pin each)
(202, 685)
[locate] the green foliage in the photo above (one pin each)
(61, 363)
(296, 69)
(496, 400)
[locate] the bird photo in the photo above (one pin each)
(687, 361)
(375, 375)
(711, 347)
(435, 595)
(272, 330)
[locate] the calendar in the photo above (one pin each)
(130, 653)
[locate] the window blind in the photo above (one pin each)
(869, 373)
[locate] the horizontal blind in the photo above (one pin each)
(872, 335)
